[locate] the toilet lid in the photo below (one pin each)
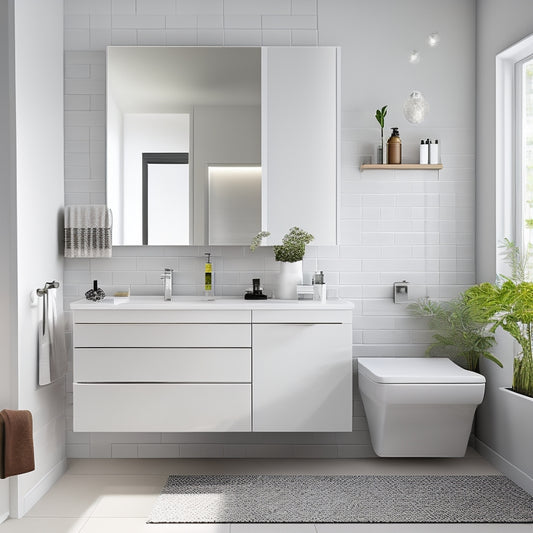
(415, 370)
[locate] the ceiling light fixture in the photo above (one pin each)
(414, 57)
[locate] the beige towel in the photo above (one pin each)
(16, 443)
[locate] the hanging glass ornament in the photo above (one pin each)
(415, 108)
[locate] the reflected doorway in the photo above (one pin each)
(165, 199)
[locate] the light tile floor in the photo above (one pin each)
(116, 495)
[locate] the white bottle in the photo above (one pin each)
(319, 287)
(434, 153)
(424, 153)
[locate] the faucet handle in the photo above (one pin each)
(167, 274)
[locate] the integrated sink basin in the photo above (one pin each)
(198, 302)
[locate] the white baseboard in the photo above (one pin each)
(506, 467)
(37, 492)
(4, 517)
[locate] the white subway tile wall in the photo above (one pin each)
(394, 225)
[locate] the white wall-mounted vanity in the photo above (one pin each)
(208, 366)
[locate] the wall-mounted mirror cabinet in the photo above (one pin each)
(210, 145)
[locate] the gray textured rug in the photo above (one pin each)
(329, 499)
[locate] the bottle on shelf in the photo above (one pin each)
(424, 153)
(434, 153)
(394, 148)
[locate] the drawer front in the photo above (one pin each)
(208, 365)
(162, 407)
(302, 316)
(162, 335)
(176, 316)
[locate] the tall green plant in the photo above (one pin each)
(509, 305)
(458, 335)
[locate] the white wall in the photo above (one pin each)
(39, 202)
(499, 25)
(115, 166)
(223, 135)
(7, 226)
(417, 226)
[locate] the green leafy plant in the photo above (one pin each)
(256, 241)
(292, 247)
(509, 304)
(380, 117)
(458, 335)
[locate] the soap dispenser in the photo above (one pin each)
(208, 278)
(394, 148)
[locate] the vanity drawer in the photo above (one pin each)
(175, 316)
(162, 407)
(208, 365)
(302, 316)
(162, 335)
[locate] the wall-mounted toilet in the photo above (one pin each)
(418, 407)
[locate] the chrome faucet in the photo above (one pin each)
(167, 278)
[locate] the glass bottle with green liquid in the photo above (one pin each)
(208, 278)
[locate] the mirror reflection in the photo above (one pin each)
(184, 144)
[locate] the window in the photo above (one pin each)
(524, 167)
(514, 148)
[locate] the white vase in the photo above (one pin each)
(290, 275)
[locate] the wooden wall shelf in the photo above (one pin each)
(403, 166)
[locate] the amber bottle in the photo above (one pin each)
(394, 148)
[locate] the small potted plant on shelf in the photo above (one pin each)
(380, 117)
(458, 335)
(290, 254)
(508, 304)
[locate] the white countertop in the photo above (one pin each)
(201, 302)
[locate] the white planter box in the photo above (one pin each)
(518, 411)
(518, 398)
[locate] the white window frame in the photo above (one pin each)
(508, 149)
(519, 175)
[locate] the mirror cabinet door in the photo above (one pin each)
(265, 115)
(300, 126)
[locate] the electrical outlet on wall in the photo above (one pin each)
(401, 292)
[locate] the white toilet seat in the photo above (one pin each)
(415, 370)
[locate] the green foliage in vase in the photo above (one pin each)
(509, 304)
(458, 335)
(292, 247)
(256, 241)
(380, 117)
